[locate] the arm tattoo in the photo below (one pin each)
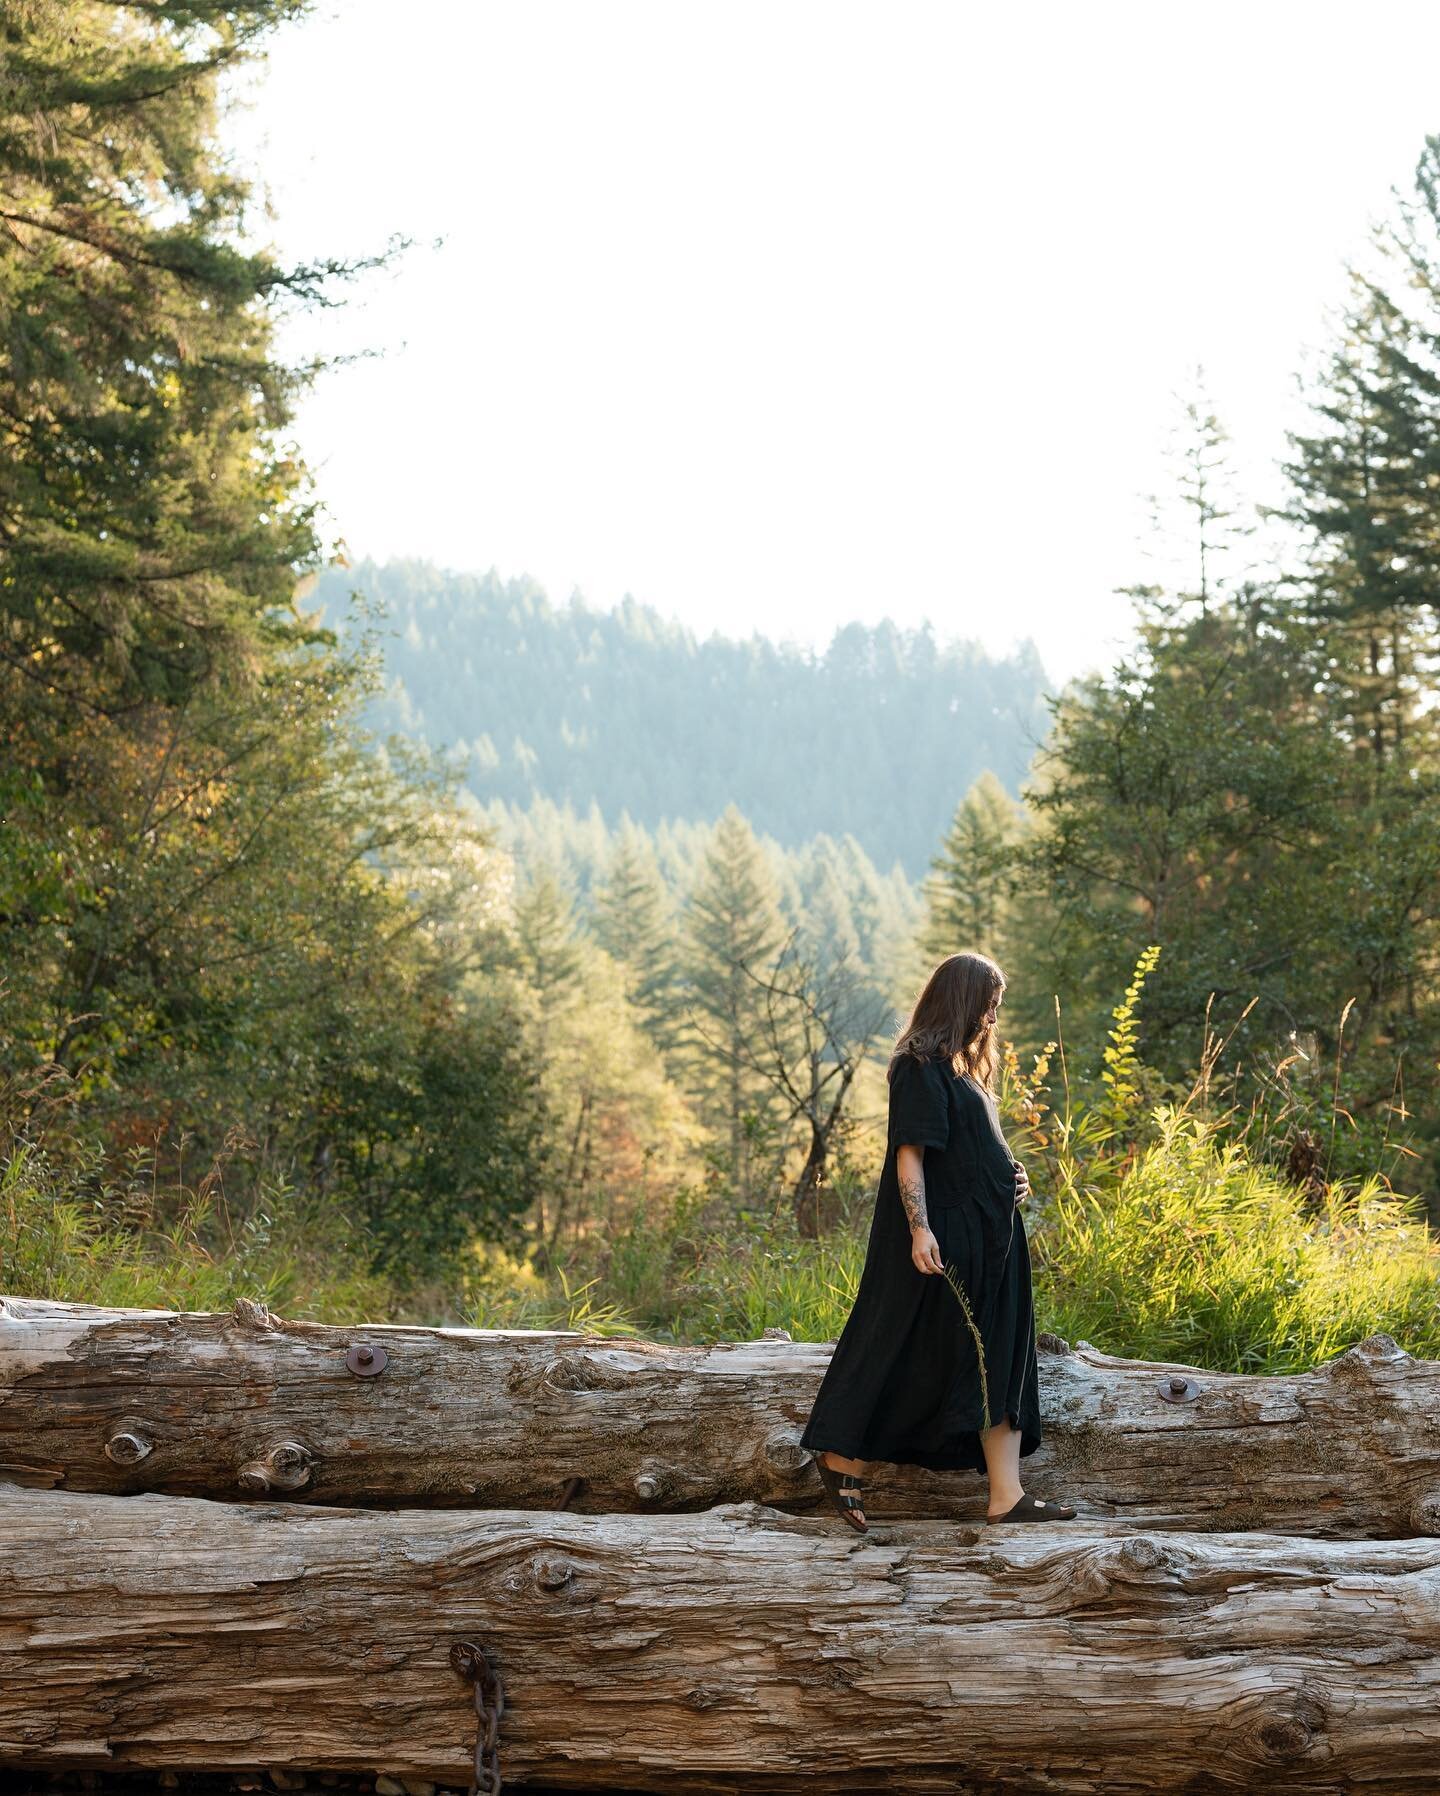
(912, 1196)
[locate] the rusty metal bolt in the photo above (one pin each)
(553, 1574)
(366, 1361)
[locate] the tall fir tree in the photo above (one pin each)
(1199, 524)
(219, 908)
(635, 922)
(547, 939)
(1363, 481)
(967, 892)
(733, 933)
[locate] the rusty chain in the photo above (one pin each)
(473, 1664)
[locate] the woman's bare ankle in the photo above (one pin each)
(837, 1462)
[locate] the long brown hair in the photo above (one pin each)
(949, 1017)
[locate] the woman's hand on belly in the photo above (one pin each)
(1022, 1183)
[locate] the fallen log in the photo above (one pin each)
(227, 1405)
(733, 1650)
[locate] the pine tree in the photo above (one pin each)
(1199, 523)
(733, 932)
(546, 936)
(157, 521)
(219, 907)
(967, 890)
(635, 923)
(1364, 483)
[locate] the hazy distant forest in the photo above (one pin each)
(382, 941)
(626, 712)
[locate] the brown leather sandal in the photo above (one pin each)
(843, 1487)
(1035, 1509)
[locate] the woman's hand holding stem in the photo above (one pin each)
(910, 1172)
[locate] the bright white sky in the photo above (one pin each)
(782, 314)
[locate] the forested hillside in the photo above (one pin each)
(876, 737)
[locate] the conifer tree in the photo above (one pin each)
(220, 908)
(733, 932)
(1364, 480)
(967, 890)
(635, 923)
(546, 936)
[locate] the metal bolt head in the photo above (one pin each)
(1178, 1389)
(366, 1361)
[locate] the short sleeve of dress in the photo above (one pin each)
(919, 1103)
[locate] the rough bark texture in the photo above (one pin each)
(247, 1404)
(737, 1650)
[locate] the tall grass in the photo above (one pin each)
(1196, 1253)
(69, 1231)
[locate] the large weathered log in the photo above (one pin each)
(734, 1650)
(225, 1405)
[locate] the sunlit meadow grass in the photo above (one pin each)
(74, 1241)
(1198, 1254)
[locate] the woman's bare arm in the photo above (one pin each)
(910, 1172)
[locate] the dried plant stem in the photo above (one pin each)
(952, 1278)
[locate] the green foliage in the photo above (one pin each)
(968, 890)
(634, 921)
(1169, 1240)
(85, 1234)
(1197, 1253)
(1121, 1075)
(733, 935)
(224, 912)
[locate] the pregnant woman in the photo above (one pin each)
(936, 1363)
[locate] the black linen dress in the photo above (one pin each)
(913, 1379)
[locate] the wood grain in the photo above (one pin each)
(247, 1404)
(734, 1650)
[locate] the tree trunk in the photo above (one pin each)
(736, 1651)
(805, 1200)
(224, 1405)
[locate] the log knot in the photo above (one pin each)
(1425, 1512)
(1048, 1343)
(567, 1374)
(1281, 1734)
(128, 1445)
(251, 1314)
(1141, 1553)
(1366, 1356)
(703, 1696)
(284, 1466)
(785, 1454)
